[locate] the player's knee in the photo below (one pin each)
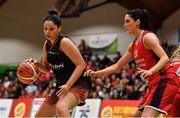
(60, 107)
(149, 112)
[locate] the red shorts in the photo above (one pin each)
(175, 110)
(160, 95)
(79, 91)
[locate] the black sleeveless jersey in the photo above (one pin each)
(62, 66)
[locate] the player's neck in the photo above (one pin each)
(138, 36)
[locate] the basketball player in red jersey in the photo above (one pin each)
(175, 62)
(153, 64)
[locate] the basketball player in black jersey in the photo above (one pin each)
(62, 56)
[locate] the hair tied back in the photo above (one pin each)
(52, 12)
(145, 11)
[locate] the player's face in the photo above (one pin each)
(130, 24)
(51, 30)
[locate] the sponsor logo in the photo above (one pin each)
(84, 112)
(19, 110)
(53, 53)
(178, 72)
(106, 112)
(135, 53)
(58, 67)
(2, 108)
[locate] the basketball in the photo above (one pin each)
(27, 72)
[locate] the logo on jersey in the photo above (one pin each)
(178, 72)
(135, 53)
(58, 67)
(176, 67)
(53, 53)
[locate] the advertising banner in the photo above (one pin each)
(118, 108)
(5, 107)
(89, 110)
(35, 106)
(103, 42)
(21, 108)
(178, 36)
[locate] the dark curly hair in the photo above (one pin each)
(142, 15)
(54, 17)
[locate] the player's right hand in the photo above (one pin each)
(90, 73)
(31, 60)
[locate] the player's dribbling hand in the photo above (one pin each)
(90, 73)
(144, 73)
(31, 60)
(64, 89)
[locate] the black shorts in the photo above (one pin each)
(80, 91)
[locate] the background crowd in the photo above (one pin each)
(125, 85)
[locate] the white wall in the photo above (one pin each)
(169, 30)
(28, 27)
(102, 20)
(21, 27)
(14, 51)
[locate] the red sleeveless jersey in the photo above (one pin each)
(162, 85)
(176, 67)
(144, 58)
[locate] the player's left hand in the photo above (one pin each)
(144, 73)
(64, 89)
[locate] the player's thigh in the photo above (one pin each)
(46, 110)
(69, 101)
(175, 109)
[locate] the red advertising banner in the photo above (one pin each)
(21, 108)
(118, 108)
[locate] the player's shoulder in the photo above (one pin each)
(66, 40)
(150, 36)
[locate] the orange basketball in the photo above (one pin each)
(27, 72)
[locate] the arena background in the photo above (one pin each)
(21, 37)
(21, 26)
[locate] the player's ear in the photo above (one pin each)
(138, 21)
(59, 29)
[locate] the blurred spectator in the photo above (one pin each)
(94, 95)
(6, 82)
(31, 89)
(124, 85)
(23, 94)
(169, 48)
(89, 65)
(2, 89)
(132, 68)
(115, 95)
(117, 57)
(105, 62)
(85, 51)
(104, 94)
